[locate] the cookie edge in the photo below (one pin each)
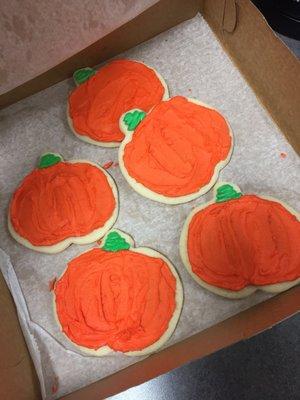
(150, 194)
(86, 239)
(89, 140)
(227, 293)
(154, 347)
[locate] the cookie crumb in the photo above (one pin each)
(283, 155)
(51, 284)
(54, 387)
(107, 165)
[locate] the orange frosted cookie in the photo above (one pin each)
(62, 202)
(118, 298)
(239, 243)
(175, 152)
(96, 105)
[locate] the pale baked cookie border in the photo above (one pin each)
(232, 294)
(86, 138)
(105, 350)
(89, 238)
(150, 194)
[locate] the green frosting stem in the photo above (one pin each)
(49, 159)
(115, 242)
(227, 192)
(83, 74)
(132, 119)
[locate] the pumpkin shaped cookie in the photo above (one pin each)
(118, 298)
(239, 243)
(175, 152)
(101, 97)
(62, 202)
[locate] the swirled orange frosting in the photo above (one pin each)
(247, 241)
(122, 299)
(61, 201)
(96, 106)
(174, 151)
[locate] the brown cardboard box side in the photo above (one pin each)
(268, 65)
(18, 379)
(156, 19)
(272, 71)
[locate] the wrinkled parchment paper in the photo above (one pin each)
(193, 64)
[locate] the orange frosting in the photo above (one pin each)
(247, 241)
(61, 201)
(96, 106)
(122, 299)
(175, 149)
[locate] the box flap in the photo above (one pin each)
(158, 18)
(38, 38)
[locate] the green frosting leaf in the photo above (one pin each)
(83, 74)
(49, 159)
(115, 242)
(227, 192)
(132, 119)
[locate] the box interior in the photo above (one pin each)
(272, 72)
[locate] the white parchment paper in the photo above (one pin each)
(193, 64)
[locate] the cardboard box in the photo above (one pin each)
(273, 73)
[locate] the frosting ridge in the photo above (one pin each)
(245, 241)
(121, 299)
(175, 149)
(61, 201)
(96, 105)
